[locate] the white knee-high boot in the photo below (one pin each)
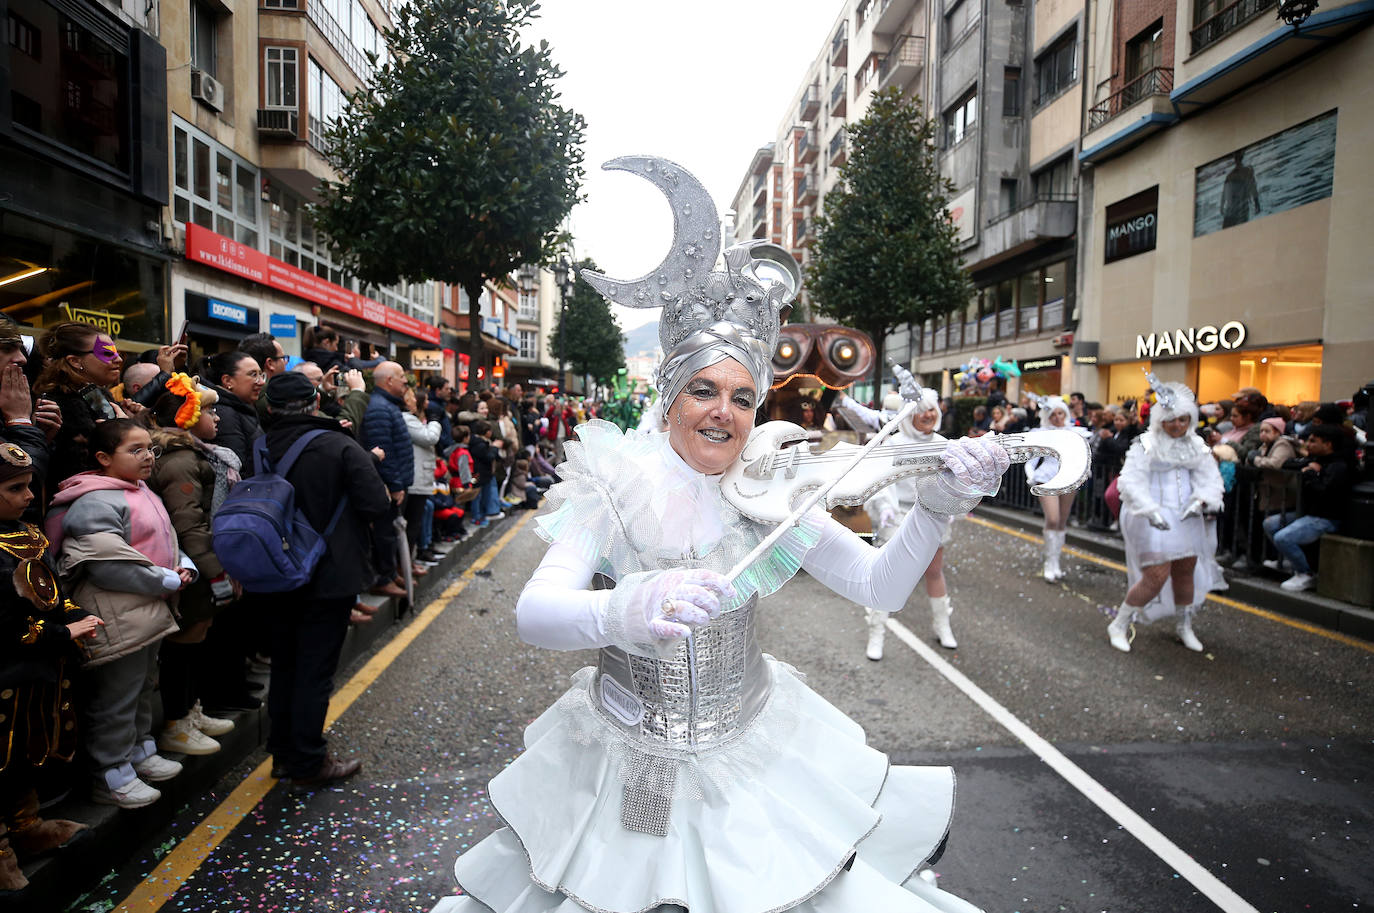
(940, 611)
(1054, 541)
(1116, 631)
(877, 630)
(1184, 628)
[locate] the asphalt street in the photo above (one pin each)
(1252, 757)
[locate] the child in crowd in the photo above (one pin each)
(541, 462)
(520, 483)
(485, 456)
(462, 484)
(37, 630)
(118, 549)
(187, 477)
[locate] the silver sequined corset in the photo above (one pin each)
(712, 687)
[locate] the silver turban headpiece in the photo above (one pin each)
(709, 314)
(1171, 401)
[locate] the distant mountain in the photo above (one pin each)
(642, 339)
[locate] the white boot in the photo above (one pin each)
(877, 629)
(1059, 537)
(1053, 542)
(1184, 629)
(939, 616)
(1116, 631)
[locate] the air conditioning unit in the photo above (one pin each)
(277, 122)
(1062, 341)
(207, 90)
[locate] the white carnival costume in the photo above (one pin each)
(1166, 484)
(699, 772)
(899, 498)
(1041, 469)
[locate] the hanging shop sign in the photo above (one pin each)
(1132, 225)
(218, 252)
(282, 325)
(104, 321)
(218, 312)
(1176, 343)
(1085, 353)
(426, 360)
(1038, 364)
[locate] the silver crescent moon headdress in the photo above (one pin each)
(1171, 400)
(709, 314)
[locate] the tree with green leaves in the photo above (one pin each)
(456, 162)
(886, 252)
(593, 343)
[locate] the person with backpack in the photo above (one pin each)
(336, 484)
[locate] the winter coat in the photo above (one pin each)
(423, 437)
(184, 478)
(435, 411)
(1325, 492)
(334, 466)
(327, 359)
(384, 427)
(118, 551)
(81, 409)
(39, 659)
(483, 456)
(1273, 492)
(239, 427)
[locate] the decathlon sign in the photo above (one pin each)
(1172, 344)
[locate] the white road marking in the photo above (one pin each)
(1211, 887)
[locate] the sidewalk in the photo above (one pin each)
(60, 879)
(1257, 590)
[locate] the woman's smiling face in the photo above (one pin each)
(710, 421)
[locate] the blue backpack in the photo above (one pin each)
(261, 539)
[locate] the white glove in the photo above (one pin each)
(1156, 518)
(886, 517)
(650, 612)
(978, 463)
(1194, 509)
(171, 580)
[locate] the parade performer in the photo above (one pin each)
(899, 498)
(688, 769)
(1054, 413)
(1168, 481)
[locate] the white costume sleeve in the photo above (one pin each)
(1205, 479)
(1134, 482)
(881, 578)
(556, 610)
(872, 419)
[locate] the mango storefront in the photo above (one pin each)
(1216, 361)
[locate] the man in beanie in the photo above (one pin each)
(308, 625)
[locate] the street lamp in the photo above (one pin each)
(1296, 12)
(564, 276)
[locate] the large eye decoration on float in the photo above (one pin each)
(816, 357)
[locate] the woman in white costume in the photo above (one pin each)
(1054, 413)
(687, 769)
(1168, 481)
(897, 499)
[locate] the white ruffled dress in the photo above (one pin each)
(789, 811)
(1164, 473)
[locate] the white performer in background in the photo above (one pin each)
(1054, 413)
(688, 769)
(1168, 481)
(897, 499)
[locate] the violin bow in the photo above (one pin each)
(814, 498)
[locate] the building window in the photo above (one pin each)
(23, 37)
(1057, 68)
(1057, 182)
(1145, 51)
(349, 30)
(962, 17)
(281, 77)
(291, 237)
(529, 343)
(203, 26)
(961, 118)
(281, 4)
(325, 104)
(529, 306)
(214, 188)
(1011, 92)
(1007, 196)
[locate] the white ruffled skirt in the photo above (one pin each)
(795, 813)
(1147, 546)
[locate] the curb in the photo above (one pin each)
(116, 833)
(1261, 591)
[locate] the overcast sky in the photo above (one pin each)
(703, 83)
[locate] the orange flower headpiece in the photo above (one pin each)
(194, 399)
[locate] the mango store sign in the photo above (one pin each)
(1175, 343)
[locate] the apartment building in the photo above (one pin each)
(83, 166)
(533, 364)
(1226, 199)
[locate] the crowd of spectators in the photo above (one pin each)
(114, 599)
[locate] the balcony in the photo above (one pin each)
(903, 62)
(1225, 21)
(1140, 109)
(839, 46)
(761, 187)
(807, 147)
(838, 97)
(760, 221)
(801, 236)
(1156, 82)
(838, 147)
(1046, 218)
(808, 188)
(810, 103)
(278, 123)
(890, 15)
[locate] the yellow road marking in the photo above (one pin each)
(182, 862)
(1211, 597)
